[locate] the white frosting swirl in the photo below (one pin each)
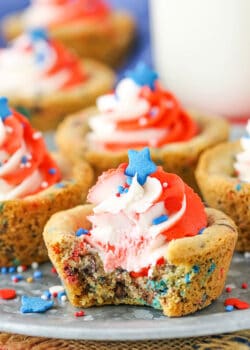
(242, 164)
(126, 223)
(125, 104)
(22, 76)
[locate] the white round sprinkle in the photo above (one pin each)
(37, 135)
(56, 289)
(247, 255)
(63, 298)
(34, 265)
(44, 184)
(44, 297)
(165, 184)
(20, 269)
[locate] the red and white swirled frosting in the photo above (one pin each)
(138, 116)
(133, 223)
(242, 164)
(53, 13)
(41, 66)
(25, 164)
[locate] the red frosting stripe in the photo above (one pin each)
(173, 193)
(66, 60)
(22, 132)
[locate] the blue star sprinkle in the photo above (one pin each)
(38, 34)
(143, 75)
(5, 112)
(35, 304)
(141, 164)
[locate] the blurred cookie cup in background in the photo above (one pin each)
(88, 27)
(223, 175)
(45, 81)
(34, 184)
(140, 112)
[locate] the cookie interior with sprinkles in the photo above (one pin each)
(139, 243)
(34, 184)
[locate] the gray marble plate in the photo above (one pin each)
(122, 322)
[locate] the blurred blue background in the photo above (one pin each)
(139, 8)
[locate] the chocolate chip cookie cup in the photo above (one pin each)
(33, 185)
(130, 248)
(46, 82)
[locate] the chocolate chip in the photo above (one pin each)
(120, 290)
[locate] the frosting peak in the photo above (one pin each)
(25, 165)
(134, 220)
(139, 113)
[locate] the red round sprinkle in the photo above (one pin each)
(15, 279)
(7, 293)
(79, 313)
(237, 303)
(244, 285)
(24, 267)
(228, 289)
(53, 270)
(54, 294)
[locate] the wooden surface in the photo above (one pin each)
(233, 341)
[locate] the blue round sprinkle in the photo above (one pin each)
(229, 308)
(196, 268)
(120, 189)
(4, 270)
(129, 180)
(159, 220)
(12, 269)
(201, 231)
(24, 159)
(52, 171)
(187, 278)
(60, 185)
(81, 231)
(60, 294)
(18, 277)
(238, 187)
(38, 274)
(47, 294)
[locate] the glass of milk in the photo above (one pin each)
(202, 52)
